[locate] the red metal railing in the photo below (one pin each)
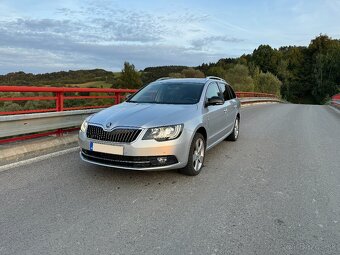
(255, 94)
(59, 97)
(60, 94)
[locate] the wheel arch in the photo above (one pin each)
(201, 130)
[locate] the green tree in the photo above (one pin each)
(325, 77)
(268, 83)
(238, 76)
(294, 72)
(151, 74)
(188, 73)
(266, 58)
(192, 73)
(176, 75)
(216, 71)
(129, 78)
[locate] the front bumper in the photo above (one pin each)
(140, 154)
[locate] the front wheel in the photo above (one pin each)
(236, 130)
(196, 156)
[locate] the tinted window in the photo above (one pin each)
(225, 91)
(233, 95)
(169, 93)
(213, 91)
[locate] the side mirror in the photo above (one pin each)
(214, 101)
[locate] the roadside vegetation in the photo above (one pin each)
(295, 73)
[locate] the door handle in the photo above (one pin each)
(225, 110)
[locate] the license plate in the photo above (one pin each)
(105, 148)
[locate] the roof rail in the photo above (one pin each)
(215, 78)
(164, 78)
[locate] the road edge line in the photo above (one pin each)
(37, 159)
(334, 108)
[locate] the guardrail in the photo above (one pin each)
(37, 124)
(255, 94)
(32, 123)
(59, 97)
(254, 100)
(335, 103)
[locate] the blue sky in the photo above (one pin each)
(44, 36)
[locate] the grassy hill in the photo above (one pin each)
(81, 78)
(90, 84)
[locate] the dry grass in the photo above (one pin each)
(93, 84)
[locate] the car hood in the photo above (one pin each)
(144, 115)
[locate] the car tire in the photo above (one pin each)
(196, 156)
(236, 131)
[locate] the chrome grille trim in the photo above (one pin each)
(118, 135)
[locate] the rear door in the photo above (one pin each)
(229, 108)
(235, 103)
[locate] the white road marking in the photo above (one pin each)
(37, 159)
(335, 109)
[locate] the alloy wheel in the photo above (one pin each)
(198, 154)
(236, 128)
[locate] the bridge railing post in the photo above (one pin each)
(59, 108)
(118, 95)
(60, 101)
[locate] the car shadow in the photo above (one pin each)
(98, 172)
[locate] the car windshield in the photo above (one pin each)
(169, 93)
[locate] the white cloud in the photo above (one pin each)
(103, 37)
(102, 34)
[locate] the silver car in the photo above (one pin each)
(168, 124)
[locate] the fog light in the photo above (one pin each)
(162, 160)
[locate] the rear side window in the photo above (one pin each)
(225, 91)
(232, 93)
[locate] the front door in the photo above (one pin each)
(215, 115)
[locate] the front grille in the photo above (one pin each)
(120, 135)
(127, 161)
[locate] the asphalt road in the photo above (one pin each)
(274, 191)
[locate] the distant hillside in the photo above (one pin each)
(300, 74)
(91, 78)
(150, 74)
(83, 78)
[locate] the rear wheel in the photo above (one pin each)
(196, 156)
(236, 130)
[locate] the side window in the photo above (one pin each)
(224, 90)
(213, 91)
(232, 93)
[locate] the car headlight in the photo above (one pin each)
(163, 133)
(84, 126)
